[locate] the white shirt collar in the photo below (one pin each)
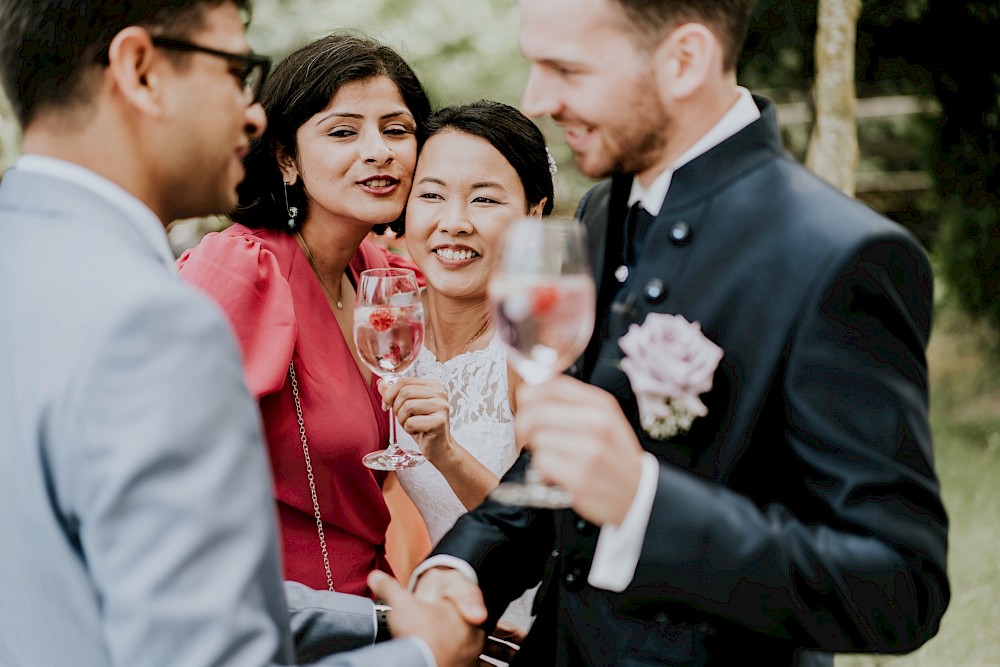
(135, 211)
(741, 114)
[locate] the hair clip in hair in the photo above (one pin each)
(553, 167)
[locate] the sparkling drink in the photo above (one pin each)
(546, 321)
(388, 338)
(388, 335)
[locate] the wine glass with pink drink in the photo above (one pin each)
(388, 334)
(544, 301)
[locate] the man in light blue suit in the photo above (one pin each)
(135, 506)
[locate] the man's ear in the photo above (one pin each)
(137, 70)
(286, 163)
(685, 59)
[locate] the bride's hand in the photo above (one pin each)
(422, 408)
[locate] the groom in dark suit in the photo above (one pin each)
(801, 515)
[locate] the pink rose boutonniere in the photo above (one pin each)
(669, 363)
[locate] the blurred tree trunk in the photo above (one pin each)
(833, 147)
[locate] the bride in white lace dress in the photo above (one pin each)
(482, 165)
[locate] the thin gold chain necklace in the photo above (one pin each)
(312, 263)
(475, 336)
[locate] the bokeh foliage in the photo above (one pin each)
(939, 49)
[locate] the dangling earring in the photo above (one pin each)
(293, 211)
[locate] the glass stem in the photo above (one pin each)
(393, 448)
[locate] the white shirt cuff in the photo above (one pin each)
(619, 547)
(443, 560)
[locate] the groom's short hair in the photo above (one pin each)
(652, 20)
(49, 48)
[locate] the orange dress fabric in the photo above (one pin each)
(264, 284)
(406, 542)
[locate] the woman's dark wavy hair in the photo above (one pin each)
(510, 132)
(300, 86)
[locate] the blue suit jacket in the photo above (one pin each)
(135, 506)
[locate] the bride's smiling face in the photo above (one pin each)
(465, 194)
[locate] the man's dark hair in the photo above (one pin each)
(49, 47)
(300, 86)
(512, 134)
(651, 20)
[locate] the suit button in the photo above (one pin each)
(680, 232)
(621, 273)
(655, 291)
(573, 579)
(554, 554)
(584, 528)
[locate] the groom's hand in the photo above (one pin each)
(580, 439)
(451, 638)
(445, 583)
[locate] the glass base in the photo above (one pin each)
(532, 494)
(385, 459)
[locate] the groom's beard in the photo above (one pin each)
(637, 140)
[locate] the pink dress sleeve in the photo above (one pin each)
(243, 278)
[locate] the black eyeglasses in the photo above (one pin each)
(254, 67)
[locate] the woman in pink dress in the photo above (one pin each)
(345, 117)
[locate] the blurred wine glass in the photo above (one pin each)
(544, 299)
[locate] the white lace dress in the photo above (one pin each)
(482, 421)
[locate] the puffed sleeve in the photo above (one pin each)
(244, 279)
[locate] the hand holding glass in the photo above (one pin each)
(544, 300)
(388, 334)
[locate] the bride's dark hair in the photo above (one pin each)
(512, 134)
